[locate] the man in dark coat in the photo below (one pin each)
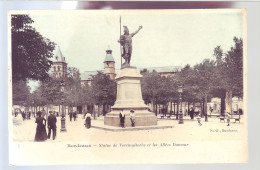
(192, 113)
(122, 119)
(71, 114)
(52, 125)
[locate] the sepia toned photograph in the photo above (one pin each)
(101, 84)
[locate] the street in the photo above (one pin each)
(190, 130)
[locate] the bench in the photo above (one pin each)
(162, 117)
(168, 117)
(237, 119)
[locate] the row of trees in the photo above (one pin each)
(220, 77)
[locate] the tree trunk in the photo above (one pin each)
(171, 107)
(174, 108)
(104, 109)
(228, 102)
(156, 109)
(94, 112)
(202, 108)
(206, 109)
(222, 106)
(177, 115)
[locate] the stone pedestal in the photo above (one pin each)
(129, 97)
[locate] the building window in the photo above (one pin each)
(54, 68)
(58, 68)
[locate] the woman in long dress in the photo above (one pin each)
(41, 134)
(88, 120)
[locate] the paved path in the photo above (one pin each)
(76, 131)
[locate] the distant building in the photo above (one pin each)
(59, 66)
(109, 65)
(163, 71)
(86, 77)
(109, 69)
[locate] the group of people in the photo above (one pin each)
(41, 134)
(122, 118)
(73, 115)
(26, 115)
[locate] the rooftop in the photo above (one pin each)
(87, 75)
(109, 56)
(59, 56)
(166, 69)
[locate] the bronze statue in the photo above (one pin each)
(126, 42)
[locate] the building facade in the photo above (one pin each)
(59, 66)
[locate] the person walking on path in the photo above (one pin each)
(228, 118)
(122, 119)
(132, 117)
(71, 114)
(75, 115)
(23, 115)
(199, 120)
(52, 125)
(88, 120)
(192, 113)
(41, 134)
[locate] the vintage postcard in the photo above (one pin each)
(127, 87)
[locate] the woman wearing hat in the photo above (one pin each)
(41, 134)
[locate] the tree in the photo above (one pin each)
(205, 81)
(103, 90)
(30, 50)
(150, 84)
(73, 90)
(230, 72)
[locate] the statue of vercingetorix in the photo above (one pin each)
(126, 42)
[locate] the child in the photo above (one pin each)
(228, 118)
(199, 119)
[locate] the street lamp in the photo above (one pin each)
(180, 90)
(63, 127)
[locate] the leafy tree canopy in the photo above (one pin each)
(30, 50)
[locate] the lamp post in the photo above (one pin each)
(63, 126)
(180, 90)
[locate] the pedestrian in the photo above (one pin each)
(23, 115)
(75, 115)
(71, 114)
(122, 119)
(41, 134)
(228, 116)
(199, 120)
(132, 117)
(52, 125)
(192, 113)
(29, 115)
(88, 120)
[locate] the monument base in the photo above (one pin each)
(129, 97)
(142, 118)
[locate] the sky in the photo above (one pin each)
(168, 38)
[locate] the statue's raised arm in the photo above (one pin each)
(140, 27)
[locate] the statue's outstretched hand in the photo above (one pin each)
(140, 27)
